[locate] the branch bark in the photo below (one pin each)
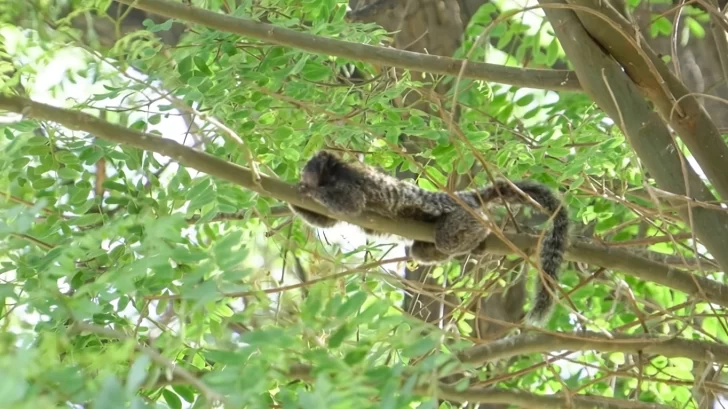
(704, 288)
(559, 80)
(532, 343)
(530, 400)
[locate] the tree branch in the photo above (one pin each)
(531, 343)
(583, 252)
(502, 396)
(559, 80)
(529, 400)
(610, 87)
(672, 98)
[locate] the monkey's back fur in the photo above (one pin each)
(353, 188)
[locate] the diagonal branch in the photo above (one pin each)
(609, 86)
(558, 80)
(678, 106)
(611, 258)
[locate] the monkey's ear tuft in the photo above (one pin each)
(318, 170)
(328, 159)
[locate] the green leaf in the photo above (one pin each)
(185, 392)
(419, 347)
(68, 173)
(283, 133)
(172, 399)
(525, 100)
(137, 374)
(339, 336)
(558, 152)
(201, 65)
(43, 183)
(111, 394)
(13, 388)
(660, 25)
(151, 26)
(184, 65)
(232, 239)
(315, 71)
(354, 357)
(67, 158)
(88, 219)
(695, 27)
(352, 305)
(552, 52)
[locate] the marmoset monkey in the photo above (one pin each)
(352, 188)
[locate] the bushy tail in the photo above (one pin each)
(553, 244)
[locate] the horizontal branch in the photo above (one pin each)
(579, 251)
(524, 399)
(672, 260)
(493, 395)
(558, 80)
(541, 342)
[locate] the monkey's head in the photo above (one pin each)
(324, 169)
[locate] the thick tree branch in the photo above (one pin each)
(532, 343)
(679, 108)
(721, 43)
(611, 258)
(610, 87)
(559, 80)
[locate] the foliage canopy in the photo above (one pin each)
(130, 279)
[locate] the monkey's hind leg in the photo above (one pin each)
(427, 253)
(459, 232)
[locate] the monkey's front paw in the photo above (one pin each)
(304, 190)
(426, 253)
